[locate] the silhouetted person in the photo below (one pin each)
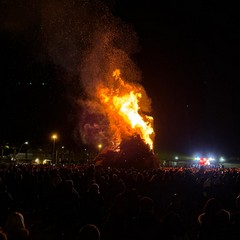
(69, 207)
(15, 227)
(214, 221)
(173, 223)
(93, 204)
(6, 203)
(121, 214)
(147, 225)
(88, 232)
(235, 219)
(3, 236)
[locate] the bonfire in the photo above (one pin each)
(131, 128)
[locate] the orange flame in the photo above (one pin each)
(121, 101)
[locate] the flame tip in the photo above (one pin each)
(122, 106)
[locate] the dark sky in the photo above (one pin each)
(188, 58)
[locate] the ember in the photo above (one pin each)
(115, 108)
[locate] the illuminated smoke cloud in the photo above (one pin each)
(86, 43)
(85, 39)
(99, 63)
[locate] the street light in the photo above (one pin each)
(99, 147)
(26, 151)
(25, 143)
(54, 138)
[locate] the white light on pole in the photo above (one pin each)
(25, 143)
(54, 138)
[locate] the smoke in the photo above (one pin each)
(85, 39)
(111, 45)
(109, 51)
(86, 43)
(72, 30)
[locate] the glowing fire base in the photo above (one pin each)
(134, 153)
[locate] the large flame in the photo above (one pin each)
(122, 105)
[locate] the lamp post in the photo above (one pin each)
(26, 154)
(54, 138)
(25, 143)
(62, 154)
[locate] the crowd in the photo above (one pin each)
(92, 203)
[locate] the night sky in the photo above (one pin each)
(187, 54)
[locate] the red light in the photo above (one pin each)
(203, 161)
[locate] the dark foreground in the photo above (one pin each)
(164, 203)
